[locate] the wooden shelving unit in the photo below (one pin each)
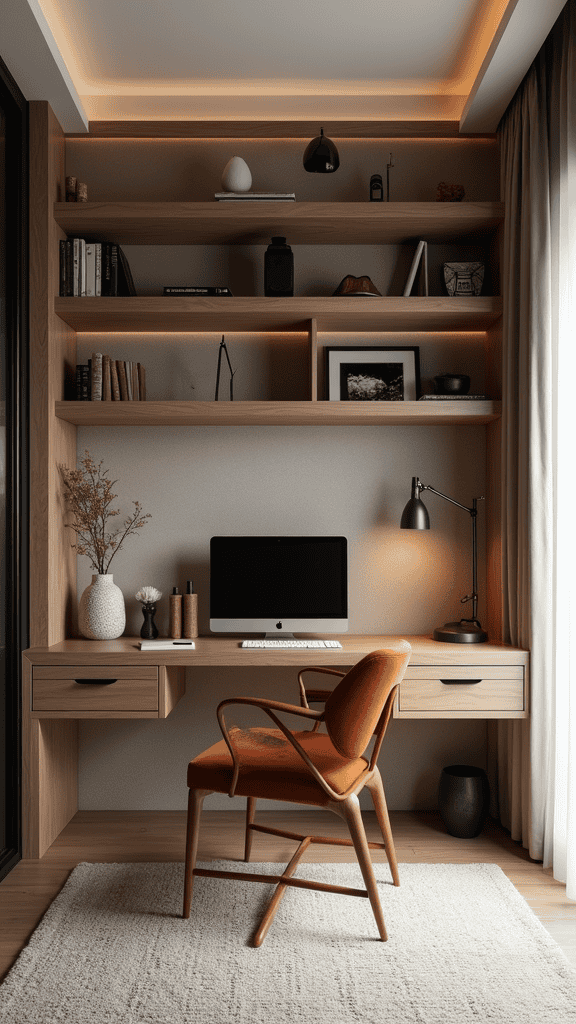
(219, 223)
(254, 223)
(182, 414)
(159, 314)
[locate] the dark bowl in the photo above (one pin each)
(452, 384)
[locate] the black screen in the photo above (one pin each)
(281, 577)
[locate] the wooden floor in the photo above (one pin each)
(101, 836)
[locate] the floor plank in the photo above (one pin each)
(116, 836)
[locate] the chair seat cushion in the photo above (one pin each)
(272, 768)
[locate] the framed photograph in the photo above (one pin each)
(372, 374)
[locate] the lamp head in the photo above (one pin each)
(415, 515)
(321, 155)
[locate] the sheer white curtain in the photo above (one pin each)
(537, 762)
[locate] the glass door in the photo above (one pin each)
(13, 458)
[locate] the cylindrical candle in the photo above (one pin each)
(190, 612)
(175, 614)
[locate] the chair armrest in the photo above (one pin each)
(273, 705)
(305, 694)
(269, 706)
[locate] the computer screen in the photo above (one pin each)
(277, 585)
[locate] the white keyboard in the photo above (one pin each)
(289, 644)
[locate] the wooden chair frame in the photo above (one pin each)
(346, 805)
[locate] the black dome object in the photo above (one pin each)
(321, 155)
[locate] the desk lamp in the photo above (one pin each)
(415, 517)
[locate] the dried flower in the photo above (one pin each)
(148, 595)
(89, 496)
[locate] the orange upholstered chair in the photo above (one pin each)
(323, 769)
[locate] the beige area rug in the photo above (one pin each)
(463, 947)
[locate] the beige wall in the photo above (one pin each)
(200, 481)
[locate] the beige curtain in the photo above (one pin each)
(534, 266)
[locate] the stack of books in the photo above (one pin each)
(247, 197)
(453, 398)
(93, 268)
(103, 379)
(195, 289)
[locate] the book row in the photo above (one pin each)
(93, 268)
(103, 379)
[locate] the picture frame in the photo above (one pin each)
(373, 373)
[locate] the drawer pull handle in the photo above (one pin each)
(460, 682)
(99, 682)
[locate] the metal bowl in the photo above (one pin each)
(452, 384)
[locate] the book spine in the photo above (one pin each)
(121, 368)
(98, 268)
(82, 268)
(128, 366)
(69, 267)
(90, 269)
(114, 382)
(62, 290)
(106, 268)
(76, 266)
(96, 376)
(142, 381)
(82, 382)
(106, 379)
(113, 270)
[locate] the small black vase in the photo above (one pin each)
(463, 796)
(149, 629)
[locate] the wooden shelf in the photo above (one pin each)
(254, 223)
(169, 414)
(256, 313)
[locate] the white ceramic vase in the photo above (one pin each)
(101, 612)
(236, 176)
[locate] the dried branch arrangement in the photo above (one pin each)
(89, 497)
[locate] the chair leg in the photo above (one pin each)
(379, 800)
(250, 811)
(349, 809)
(195, 801)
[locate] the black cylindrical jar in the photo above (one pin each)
(278, 268)
(463, 795)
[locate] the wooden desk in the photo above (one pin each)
(442, 681)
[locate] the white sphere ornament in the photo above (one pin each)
(236, 176)
(101, 611)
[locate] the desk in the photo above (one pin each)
(79, 679)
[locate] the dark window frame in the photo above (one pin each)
(15, 109)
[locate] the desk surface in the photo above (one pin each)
(226, 651)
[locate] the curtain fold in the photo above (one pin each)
(538, 151)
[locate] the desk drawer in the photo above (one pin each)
(102, 688)
(467, 691)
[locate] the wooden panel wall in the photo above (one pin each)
(494, 485)
(52, 356)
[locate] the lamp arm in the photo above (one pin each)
(426, 487)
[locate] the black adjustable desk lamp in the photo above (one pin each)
(415, 517)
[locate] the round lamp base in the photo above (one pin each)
(460, 633)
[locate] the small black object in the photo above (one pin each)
(321, 155)
(232, 372)
(452, 384)
(278, 268)
(376, 189)
(463, 795)
(149, 629)
(190, 587)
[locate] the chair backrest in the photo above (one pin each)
(354, 707)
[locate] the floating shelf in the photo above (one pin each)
(168, 314)
(157, 414)
(254, 223)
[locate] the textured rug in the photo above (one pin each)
(463, 947)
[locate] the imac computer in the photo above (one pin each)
(279, 585)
